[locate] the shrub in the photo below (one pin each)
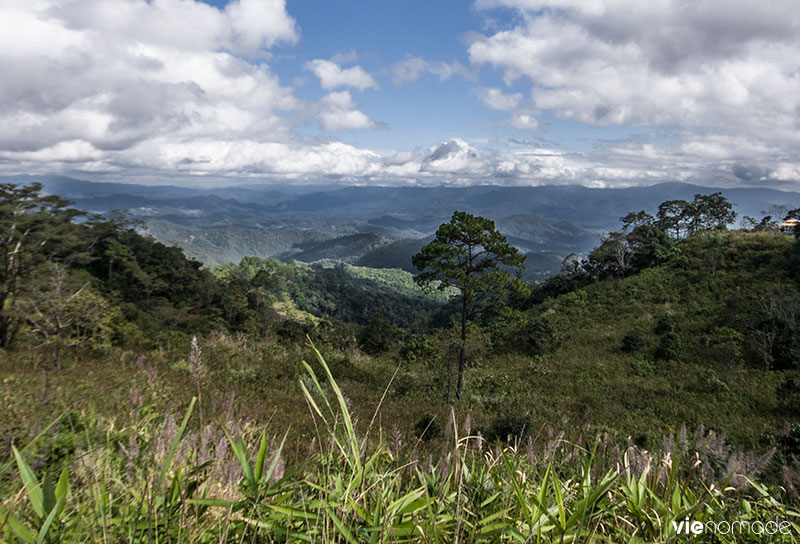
(664, 325)
(669, 349)
(427, 428)
(378, 336)
(525, 332)
(417, 347)
(643, 368)
(789, 394)
(790, 441)
(633, 342)
(510, 427)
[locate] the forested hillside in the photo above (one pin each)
(674, 335)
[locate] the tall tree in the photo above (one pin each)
(712, 211)
(36, 229)
(675, 216)
(470, 255)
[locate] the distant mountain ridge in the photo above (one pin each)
(379, 226)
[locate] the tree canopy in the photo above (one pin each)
(470, 255)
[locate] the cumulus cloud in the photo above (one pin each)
(498, 100)
(337, 111)
(93, 81)
(704, 63)
(524, 121)
(455, 156)
(247, 156)
(412, 68)
(331, 75)
(721, 80)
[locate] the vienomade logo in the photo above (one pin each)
(772, 527)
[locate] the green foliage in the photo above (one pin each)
(467, 254)
(417, 348)
(378, 336)
(143, 477)
(634, 342)
(703, 213)
(643, 368)
(428, 428)
(36, 229)
(348, 293)
(509, 428)
(528, 333)
(669, 347)
(664, 324)
(717, 307)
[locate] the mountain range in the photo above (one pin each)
(379, 227)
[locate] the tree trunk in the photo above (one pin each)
(4, 326)
(463, 347)
(58, 351)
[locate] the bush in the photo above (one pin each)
(633, 342)
(510, 427)
(789, 394)
(526, 333)
(427, 428)
(643, 368)
(790, 441)
(669, 349)
(378, 336)
(417, 347)
(664, 325)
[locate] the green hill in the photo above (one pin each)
(224, 244)
(708, 338)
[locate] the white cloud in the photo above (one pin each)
(455, 156)
(498, 100)
(331, 75)
(699, 64)
(163, 87)
(257, 24)
(337, 111)
(155, 88)
(524, 121)
(247, 156)
(412, 68)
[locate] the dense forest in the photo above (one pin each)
(674, 337)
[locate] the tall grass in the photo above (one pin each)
(157, 481)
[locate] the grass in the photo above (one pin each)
(150, 478)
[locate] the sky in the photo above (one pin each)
(603, 93)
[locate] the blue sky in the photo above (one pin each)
(515, 92)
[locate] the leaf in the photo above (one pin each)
(346, 533)
(49, 521)
(244, 462)
(17, 527)
(225, 503)
(62, 487)
(174, 448)
(32, 487)
(276, 458)
(262, 452)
